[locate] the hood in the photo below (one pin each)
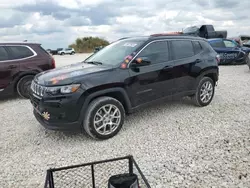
(68, 74)
(245, 49)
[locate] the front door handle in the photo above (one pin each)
(12, 66)
(168, 67)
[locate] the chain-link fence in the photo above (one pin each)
(93, 175)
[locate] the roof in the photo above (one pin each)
(17, 43)
(244, 35)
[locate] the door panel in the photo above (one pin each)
(230, 51)
(184, 59)
(184, 79)
(151, 82)
(8, 68)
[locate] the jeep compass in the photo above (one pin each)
(96, 94)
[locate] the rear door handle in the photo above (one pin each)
(12, 66)
(198, 60)
(168, 67)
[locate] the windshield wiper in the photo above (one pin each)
(93, 62)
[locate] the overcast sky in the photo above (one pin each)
(57, 23)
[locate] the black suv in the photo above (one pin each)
(128, 74)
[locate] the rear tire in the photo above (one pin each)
(72, 53)
(204, 93)
(23, 86)
(62, 53)
(104, 118)
(247, 61)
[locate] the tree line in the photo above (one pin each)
(88, 44)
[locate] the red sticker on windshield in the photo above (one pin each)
(129, 57)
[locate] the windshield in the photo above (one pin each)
(115, 53)
(190, 29)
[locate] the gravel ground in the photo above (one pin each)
(176, 144)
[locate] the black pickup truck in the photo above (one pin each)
(54, 52)
(205, 31)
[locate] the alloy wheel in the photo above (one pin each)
(107, 119)
(206, 92)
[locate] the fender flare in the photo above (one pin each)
(93, 95)
(208, 71)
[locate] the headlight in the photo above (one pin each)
(63, 89)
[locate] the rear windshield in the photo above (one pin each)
(191, 29)
(115, 53)
(43, 50)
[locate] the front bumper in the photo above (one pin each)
(60, 113)
(73, 126)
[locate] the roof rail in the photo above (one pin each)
(166, 34)
(21, 42)
(124, 38)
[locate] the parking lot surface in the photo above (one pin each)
(175, 143)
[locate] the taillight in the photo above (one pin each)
(218, 58)
(53, 63)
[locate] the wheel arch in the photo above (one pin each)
(212, 73)
(118, 93)
(20, 76)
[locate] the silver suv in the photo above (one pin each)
(64, 51)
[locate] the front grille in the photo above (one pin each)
(38, 89)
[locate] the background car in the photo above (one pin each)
(205, 31)
(19, 63)
(247, 44)
(230, 51)
(98, 49)
(241, 39)
(64, 51)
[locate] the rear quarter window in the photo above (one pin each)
(19, 52)
(207, 46)
(182, 49)
(197, 47)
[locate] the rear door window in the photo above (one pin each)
(19, 52)
(217, 44)
(182, 49)
(3, 54)
(229, 44)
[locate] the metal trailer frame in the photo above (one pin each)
(49, 182)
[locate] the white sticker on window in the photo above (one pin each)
(228, 56)
(130, 44)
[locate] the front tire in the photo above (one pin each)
(204, 92)
(23, 86)
(104, 118)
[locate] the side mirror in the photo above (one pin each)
(142, 61)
